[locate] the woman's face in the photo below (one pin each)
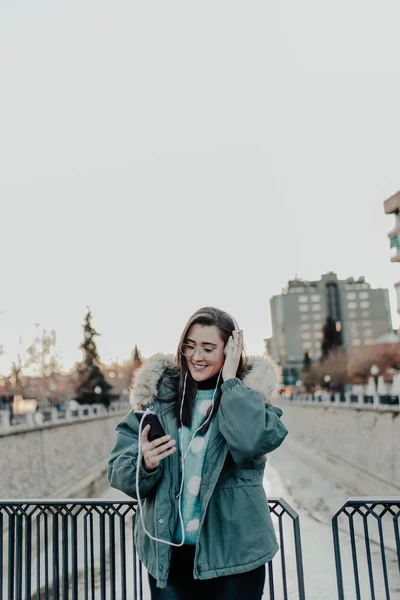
(204, 349)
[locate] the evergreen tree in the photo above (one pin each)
(92, 386)
(136, 358)
(332, 338)
(306, 362)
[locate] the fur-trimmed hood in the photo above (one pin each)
(261, 374)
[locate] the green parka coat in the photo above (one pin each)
(236, 532)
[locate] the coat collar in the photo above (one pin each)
(261, 374)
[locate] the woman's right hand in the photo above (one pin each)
(154, 452)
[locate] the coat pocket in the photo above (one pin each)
(234, 476)
(241, 472)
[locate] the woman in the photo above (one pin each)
(215, 408)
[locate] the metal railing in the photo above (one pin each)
(70, 549)
(370, 527)
(84, 549)
(290, 552)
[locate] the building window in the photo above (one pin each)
(317, 326)
(318, 334)
(303, 317)
(316, 317)
(303, 307)
(352, 315)
(306, 335)
(351, 305)
(305, 326)
(368, 342)
(307, 345)
(315, 298)
(367, 332)
(366, 323)
(315, 307)
(364, 304)
(356, 342)
(363, 295)
(350, 296)
(365, 314)
(318, 345)
(303, 299)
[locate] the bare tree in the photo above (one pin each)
(43, 363)
(384, 356)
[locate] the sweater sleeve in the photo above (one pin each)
(122, 464)
(250, 427)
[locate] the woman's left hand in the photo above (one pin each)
(234, 351)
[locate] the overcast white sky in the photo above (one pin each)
(159, 156)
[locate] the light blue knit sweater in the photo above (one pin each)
(194, 463)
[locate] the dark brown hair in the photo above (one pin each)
(208, 316)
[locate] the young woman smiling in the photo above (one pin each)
(214, 404)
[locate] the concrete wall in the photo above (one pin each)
(62, 460)
(360, 447)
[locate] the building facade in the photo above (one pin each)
(392, 207)
(299, 313)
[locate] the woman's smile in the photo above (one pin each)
(198, 367)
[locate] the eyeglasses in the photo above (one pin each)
(188, 351)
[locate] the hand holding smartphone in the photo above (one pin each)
(155, 444)
(151, 419)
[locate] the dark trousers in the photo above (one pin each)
(182, 586)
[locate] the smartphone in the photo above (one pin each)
(156, 429)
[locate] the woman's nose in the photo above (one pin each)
(198, 353)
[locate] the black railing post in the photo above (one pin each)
(28, 564)
(74, 557)
(11, 556)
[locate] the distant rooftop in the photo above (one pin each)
(330, 276)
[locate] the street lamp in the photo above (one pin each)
(327, 380)
(375, 372)
(97, 390)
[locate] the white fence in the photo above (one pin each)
(346, 399)
(52, 415)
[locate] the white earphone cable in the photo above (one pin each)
(183, 456)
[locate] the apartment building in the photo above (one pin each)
(299, 313)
